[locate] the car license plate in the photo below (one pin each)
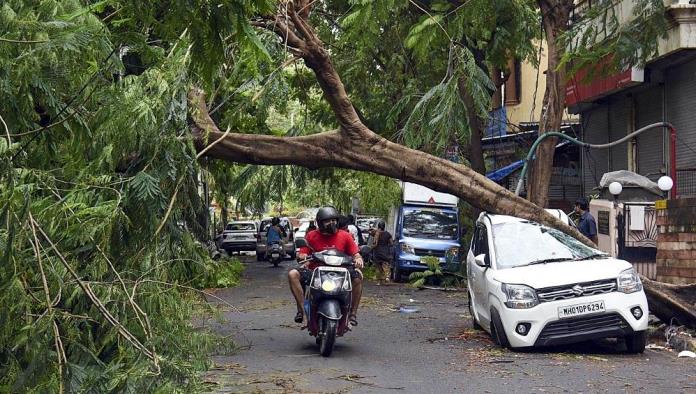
(587, 308)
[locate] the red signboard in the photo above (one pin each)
(580, 91)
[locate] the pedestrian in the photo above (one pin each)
(587, 224)
(383, 253)
(354, 230)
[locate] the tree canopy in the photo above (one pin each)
(108, 107)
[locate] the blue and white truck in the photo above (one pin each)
(425, 224)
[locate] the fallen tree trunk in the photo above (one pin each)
(672, 302)
(354, 146)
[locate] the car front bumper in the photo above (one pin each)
(547, 329)
(238, 245)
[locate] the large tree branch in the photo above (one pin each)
(373, 154)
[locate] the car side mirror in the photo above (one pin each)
(301, 243)
(480, 260)
(295, 229)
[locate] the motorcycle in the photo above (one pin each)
(275, 253)
(328, 297)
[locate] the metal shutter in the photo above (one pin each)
(618, 124)
(650, 144)
(594, 161)
(680, 103)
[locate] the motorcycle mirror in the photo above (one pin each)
(301, 243)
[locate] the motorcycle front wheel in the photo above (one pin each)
(328, 336)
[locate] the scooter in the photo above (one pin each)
(328, 297)
(275, 253)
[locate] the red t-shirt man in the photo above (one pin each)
(340, 240)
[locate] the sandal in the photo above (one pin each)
(353, 320)
(299, 316)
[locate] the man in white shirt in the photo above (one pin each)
(354, 230)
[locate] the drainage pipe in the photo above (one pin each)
(672, 150)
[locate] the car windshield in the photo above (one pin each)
(523, 243)
(430, 223)
(241, 227)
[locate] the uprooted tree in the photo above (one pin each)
(355, 146)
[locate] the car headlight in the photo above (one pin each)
(520, 296)
(407, 248)
(629, 281)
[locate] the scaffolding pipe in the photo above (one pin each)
(672, 150)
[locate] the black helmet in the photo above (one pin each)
(275, 221)
(327, 213)
(381, 225)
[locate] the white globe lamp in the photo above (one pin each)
(615, 188)
(665, 183)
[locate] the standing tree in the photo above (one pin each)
(353, 145)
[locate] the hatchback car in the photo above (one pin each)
(238, 236)
(531, 285)
(288, 239)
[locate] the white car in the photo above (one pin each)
(531, 285)
(238, 236)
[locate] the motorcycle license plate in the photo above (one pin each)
(275, 255)
(588, 308)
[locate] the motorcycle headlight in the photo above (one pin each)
(520, 296)
(629, 281)
(407, 248)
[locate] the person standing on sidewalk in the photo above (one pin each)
(587, 224)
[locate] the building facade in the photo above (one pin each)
(664, 90)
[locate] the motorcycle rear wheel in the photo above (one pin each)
(328, 336)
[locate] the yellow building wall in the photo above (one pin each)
(529, 109)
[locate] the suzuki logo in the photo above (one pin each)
(578, 290)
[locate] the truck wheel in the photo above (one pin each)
(497, 330)
(396, 274)
(328, 336)
(635, 343)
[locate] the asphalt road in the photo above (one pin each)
(434, 350)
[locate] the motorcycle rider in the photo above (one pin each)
(325, 237)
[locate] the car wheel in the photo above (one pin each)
(497, 330)
(474, 322)
(635, 343)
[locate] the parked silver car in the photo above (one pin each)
(238, 236)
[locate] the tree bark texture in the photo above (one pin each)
(555, 18)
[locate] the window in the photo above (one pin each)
(481, 246)
(430, 223)
(512, 88)
(241, 227)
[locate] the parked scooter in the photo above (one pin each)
(275, 253)
(328, 297)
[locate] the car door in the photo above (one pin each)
(479, 285)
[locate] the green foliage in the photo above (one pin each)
(223, 273)
(602, 36)
(100, 261)
(435, 275)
